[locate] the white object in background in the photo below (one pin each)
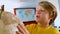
(8, 23)
(11, 29)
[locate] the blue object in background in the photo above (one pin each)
(26, 14)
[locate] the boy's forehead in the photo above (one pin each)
(39, 8)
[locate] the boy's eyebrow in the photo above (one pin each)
(40, 10)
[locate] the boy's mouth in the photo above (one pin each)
(37, 16)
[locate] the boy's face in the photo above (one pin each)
(42, 15)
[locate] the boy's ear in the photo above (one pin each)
(50, 17)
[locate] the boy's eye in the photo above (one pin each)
(41, 10)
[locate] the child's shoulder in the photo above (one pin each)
(55, 30)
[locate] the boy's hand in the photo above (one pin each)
(22, 30)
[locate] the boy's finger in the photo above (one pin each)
(20, 29)
(18, 32)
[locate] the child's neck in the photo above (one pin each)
(43, 25)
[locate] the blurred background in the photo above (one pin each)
(10, 5)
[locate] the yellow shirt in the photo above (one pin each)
(35, 29)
